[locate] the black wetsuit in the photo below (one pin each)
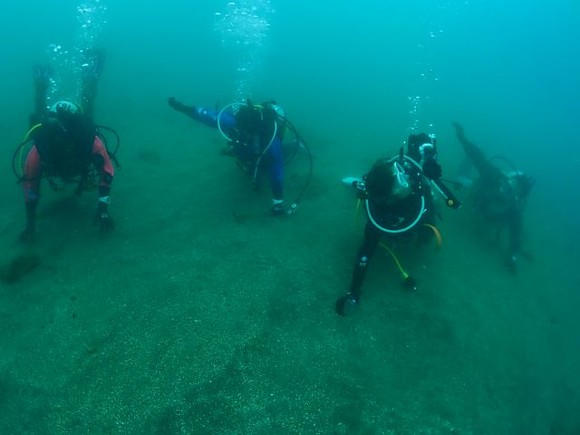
(495, 198)
(394, 214)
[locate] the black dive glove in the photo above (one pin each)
(102, 217)
(359, 184)
(180, 107)
(432, 169)
(41, 75)
(458, 128)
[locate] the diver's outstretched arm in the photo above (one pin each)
(473, 152)
(91, 70)
(178, 106)
(204, 115)
(41, 74)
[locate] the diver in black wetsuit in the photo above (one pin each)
(398, 196)
(498, 197)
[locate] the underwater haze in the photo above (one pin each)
(203, 314)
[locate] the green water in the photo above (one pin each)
(203, 314)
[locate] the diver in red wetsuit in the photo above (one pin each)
(66, 147)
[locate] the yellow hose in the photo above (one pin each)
(410, 282)
(397, 262)
(437, 234)
(29, 132)
(389, 250)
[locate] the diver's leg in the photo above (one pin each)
(275, 162)
(31, 189)
(91, 70)
(366, 251)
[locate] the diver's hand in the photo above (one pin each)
(358, 184)
(432, 169)
(458, 127)
(102, 217)
(176, 105)
(93, 63)
(173, 103)
(351, 181)
(41, 75)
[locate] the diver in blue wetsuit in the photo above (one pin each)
(254, 134)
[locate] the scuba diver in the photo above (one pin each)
(254, 133)
(66, 146)
(498, 197)
(399, 203)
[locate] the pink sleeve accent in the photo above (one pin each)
(99, 148)
(31, 183)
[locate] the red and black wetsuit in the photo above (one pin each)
(72, 155)
(33, 169)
